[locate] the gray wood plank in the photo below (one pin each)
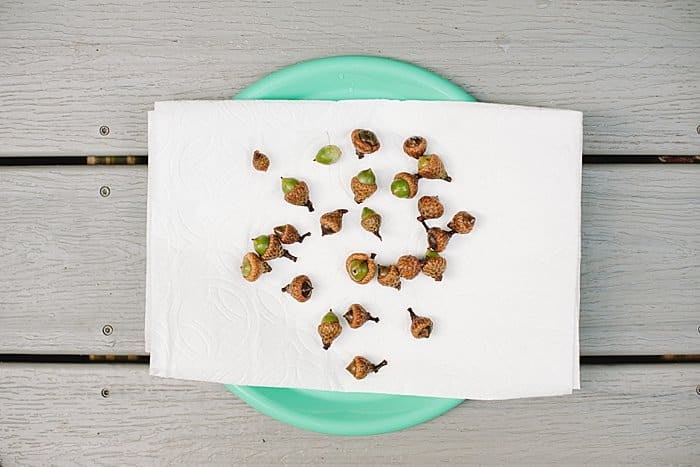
(55, 414)
(73, 261)
(631, 67)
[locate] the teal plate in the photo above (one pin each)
(341, 78)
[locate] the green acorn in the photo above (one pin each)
(329, 329)
(363, 185)
(269, 247)
(296, 193)
(328, 155)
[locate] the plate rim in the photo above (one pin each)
(268, 87)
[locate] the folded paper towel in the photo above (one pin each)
(506, 313)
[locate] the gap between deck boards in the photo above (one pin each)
(143, 160)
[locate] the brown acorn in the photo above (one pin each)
(332, 222)
(430, 207)
(365, 142)
(431, 166)
(415, 146)
(329, 329)
(421, 326)
(260, 161)
(371, 221)
(300, 288)
(434, 265)
(462, 222)
(356, 316)
(270, 247)
(289, 234)
(437, 238)
(360, 267)
(296, 192)
(360, 367)
(409, 266)
(405, 185)
(252, 267)
(389, 276)
(363, 185)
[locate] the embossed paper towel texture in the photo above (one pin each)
(506, 314)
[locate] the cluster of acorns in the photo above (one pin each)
(362, 267)
(330, 328)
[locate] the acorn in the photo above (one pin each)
(371, 221)
(389, 276)
(329, 329)
(296, 193)
(421, 326)
(433, 265)
(365, 142)
(356, 316)
(430, 207)
(462, 223)
(437, 238)
(405, 185)
(252, 267)
(415, 146)
(409, 266)
(300, 288)
(431, 166)
(363, 185)
(328, 155)
(270, 247)
(360, 267)
(360, 367)
(289, 234)
(332, 222)
(260, 161)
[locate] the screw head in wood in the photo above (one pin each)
(104, 392)
(105, 191)
(104, 130)
(107, 329)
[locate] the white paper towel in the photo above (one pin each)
(506, 313)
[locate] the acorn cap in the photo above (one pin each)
(389, 276)
(260, 161)
(364, 259)
(409, 266)
(298, 194)
(332, 222)
(462, 222)
(289, 234)
(411, 180)
(300, 288)
(360, 367)
(421, 326)
(371, 222)
(430, 207)
(274, 248)
(431, 166)
(356, 316)
(252, 267)
(434, 265)
(329, 329)
(365, 142)
(415, 146)
(437, 238)
(362, 191)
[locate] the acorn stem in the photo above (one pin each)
(372, 318)
(288, 255)
(410, 311)
(425, 226)
(379, 365)
(359, 154)
(447, 178)
(285, 288)
(301, 238)
(378, 235)
(309, 206)
(373, 255)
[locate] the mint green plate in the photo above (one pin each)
(340, 78)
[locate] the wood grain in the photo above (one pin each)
(631, 67)
(73, 261)
(55, 414)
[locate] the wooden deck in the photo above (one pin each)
(73, 261)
